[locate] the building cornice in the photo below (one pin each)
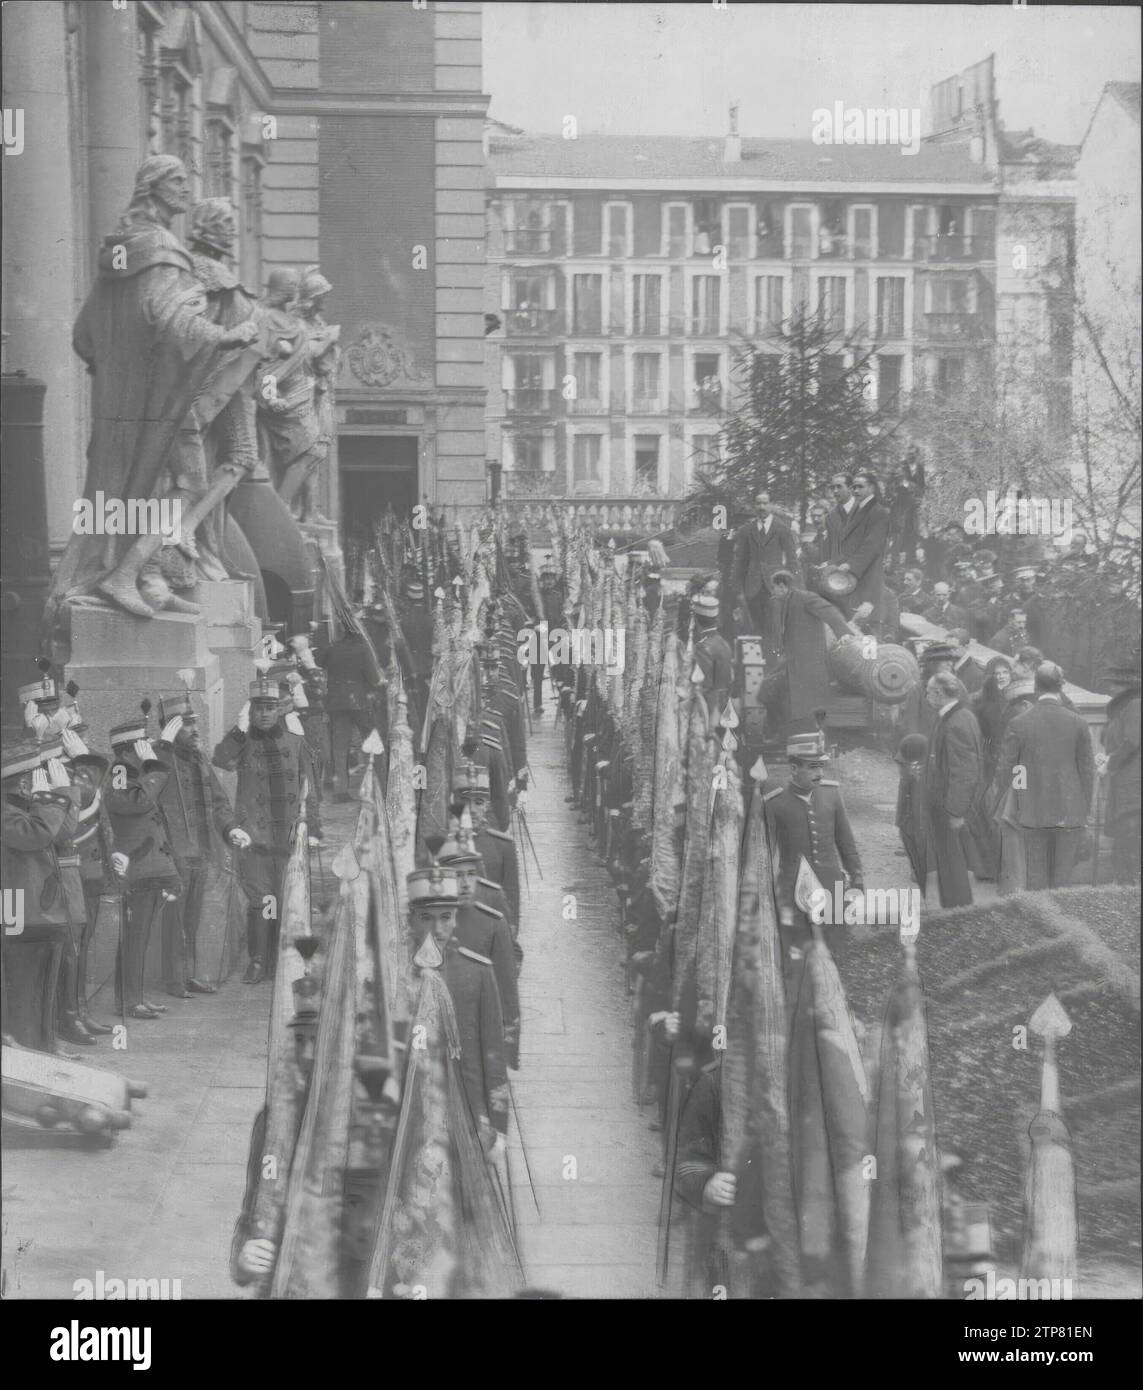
(509, 182)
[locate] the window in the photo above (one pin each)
(890, 306)
(831, 302)
(646, 305)
(801, 233)
(528, 453)
(768, 304)
(889, 383)
(768, 229)
(891, 230)
(708, 226)
(738, 231)
(646, 477)
(767, 371)
(950, 376)
(948, 294)
(587, 367)
(704, 454)
(616, 227)
(706, 300)
(532, 234)
(675, 235)
(587, 303)
(861, 247)
(707, 382)
(587, 450)
(984, 234)
(832, 368)
(645, 381)
(920, 223)
(529, 373)
(529, 383)
(530, 297)
(831, 229)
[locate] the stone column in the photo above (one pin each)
(112, 136)
(39, 271)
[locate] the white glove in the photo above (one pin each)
(522, 799)
(74, 746)
(40, 781)
(239, 838)
(498, 1149)
(57, 773)
(294, 724)
(1101, 763)
(257, 1257)
(39, 723)
(119, 863)
(144, 751)
(244, 718)
(171, 729)
(671, 1026)
(314, 841)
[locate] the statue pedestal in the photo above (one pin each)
(233, 633)
(117, 660)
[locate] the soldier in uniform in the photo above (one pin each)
(433, 905)
(484, 928)
(132, 795)
(482, 745)
(354, 684)
(416, 622)
(712, 654)
(552, 596)
(496, 848)
(33, 816)
(273, 766)
(198, 811)
(807, 819)
(313, 715)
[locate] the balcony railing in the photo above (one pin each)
(769, 246)
(832, 246)
(529, 241)
(957, 327)
(529, 400)
(629, 514)
(588, 405)
(954, 247)
(525, 322)
(890, 327)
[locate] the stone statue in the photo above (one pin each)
(324, 359)
(163, 369)
(290, 432)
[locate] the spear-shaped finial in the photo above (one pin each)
(371, 744)
(345, 864)
(1050, 1022)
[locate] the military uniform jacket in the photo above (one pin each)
(716, 662)
(817, 828)
(511, 711)
(138, 822)
(271, 768)
(476, 1003)
(498, 851)
(194, 803)
(352, 674)
(29, 830)
(485, 931)
(94, 842)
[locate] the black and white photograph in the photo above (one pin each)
(570, 666)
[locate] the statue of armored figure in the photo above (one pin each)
(172, 344)
(325, 357)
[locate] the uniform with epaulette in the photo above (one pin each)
(485, 929)
(814, 826)
(482, 746)
(131, 794)
(30, 825)
(496, 848)
(712, 653)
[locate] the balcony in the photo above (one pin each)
(832, 246)
(954, 247)
(890, 328)
(523, 323)
(529, 241)
(529, 400)
(769, 245)
(959, 328)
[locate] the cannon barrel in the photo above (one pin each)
(885, 674)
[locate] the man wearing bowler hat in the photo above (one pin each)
(273, 766)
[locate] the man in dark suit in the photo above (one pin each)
(762, 546)
(800, 621)
(1048, 762)
(953, 786)
(354, 681)
(943, 612)
(858, 530)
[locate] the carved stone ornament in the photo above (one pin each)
(377, 359)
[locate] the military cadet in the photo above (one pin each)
(807, 819)
(552, 597)
(273, 766)
(134, 784)
(482, 926)
(415, 619)
(198, 814)
(496, 848)
(482, 745)
(354, 683)
(712, 653)
(433, 904)
(102, 868)
(35, 905)
(315, 720)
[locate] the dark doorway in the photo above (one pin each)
(376, 472)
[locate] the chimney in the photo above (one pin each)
(732, 147)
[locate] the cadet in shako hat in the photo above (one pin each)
(712, 652)
(274, 768)
(482, 925)
(807, 820)
(496, 848)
